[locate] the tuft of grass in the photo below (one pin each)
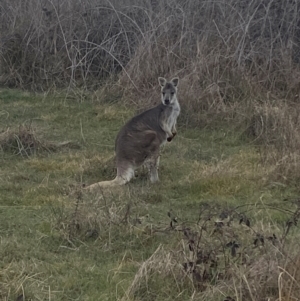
(25, 142)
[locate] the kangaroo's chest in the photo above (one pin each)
(172, 116)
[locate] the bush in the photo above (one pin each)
(59, 43)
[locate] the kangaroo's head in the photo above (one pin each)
(168, 90)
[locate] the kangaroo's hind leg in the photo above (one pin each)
(152, 166)
(125, 172)
(152, 157)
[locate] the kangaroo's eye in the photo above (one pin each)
(163, 93)
(172, 93)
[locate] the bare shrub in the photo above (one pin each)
(65, 44)
(60, 43)
(224, 256)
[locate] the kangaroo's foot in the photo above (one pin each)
(170, 138)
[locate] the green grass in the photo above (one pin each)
(57, 243)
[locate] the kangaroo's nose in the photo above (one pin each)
(167, 101)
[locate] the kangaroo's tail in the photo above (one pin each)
(115, 182)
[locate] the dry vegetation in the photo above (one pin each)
(218, 253)
(238, 63)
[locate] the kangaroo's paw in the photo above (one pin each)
(170, 138)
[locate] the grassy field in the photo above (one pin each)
(215, 200)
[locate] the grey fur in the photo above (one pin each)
(140, 139)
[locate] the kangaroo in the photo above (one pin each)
(140, 139)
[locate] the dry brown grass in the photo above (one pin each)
(275, 128)
(289, 280)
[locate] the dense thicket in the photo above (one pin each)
(59, 43)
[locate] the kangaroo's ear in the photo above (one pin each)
(175, 81)
(162, 81)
